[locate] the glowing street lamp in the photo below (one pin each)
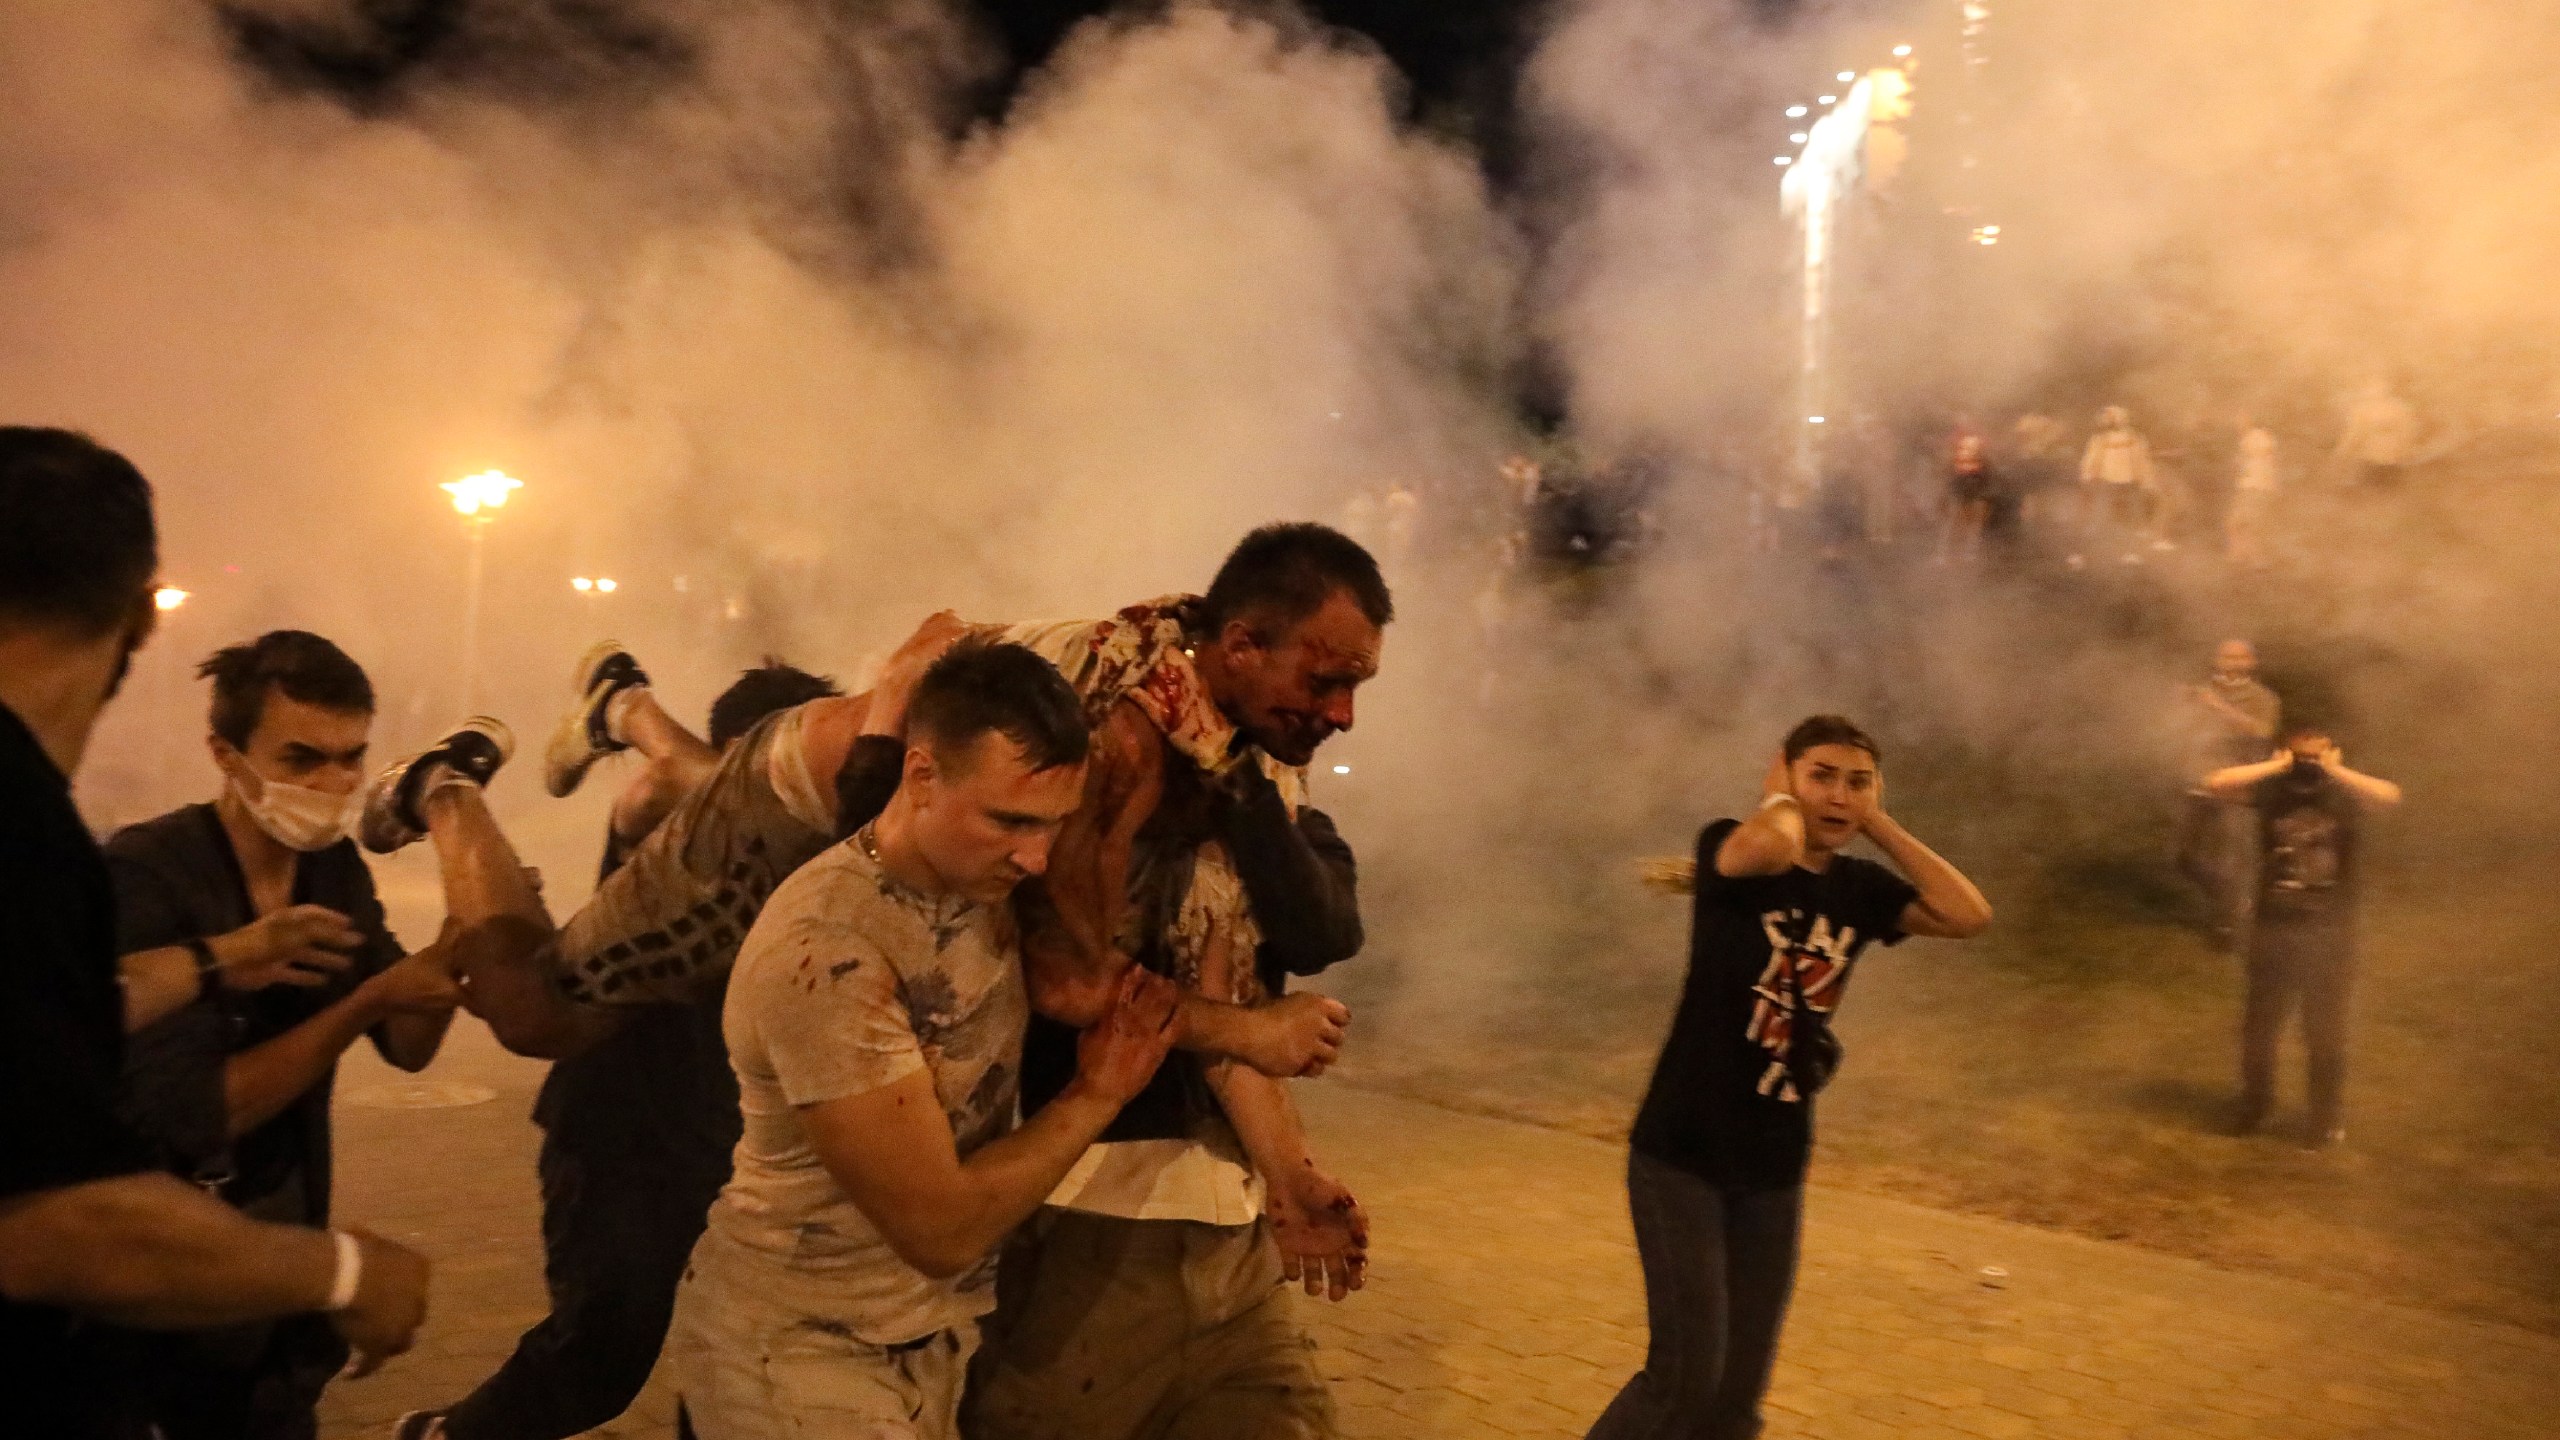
(169, 597)
(487, 490)
(477, 499)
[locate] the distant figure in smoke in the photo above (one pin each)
(234, 1087)
(1401, 513)
(2254, 483)
(1973, 490)
(1715, 1173)
(2038, 467)
(2117, 484)
(636, 1135)
(2302, 952)
(2380, 440)
(2235, 717)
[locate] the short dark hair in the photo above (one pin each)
(1288, 571)
(980, 685)
(762, 690)
(1830, 730)
(77, 543)
(304, 666)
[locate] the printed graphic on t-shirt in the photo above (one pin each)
(2303, 851)
(1818, 956)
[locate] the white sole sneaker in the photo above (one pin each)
(476, 750)
(580, 739)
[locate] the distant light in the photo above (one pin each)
(1826, 99)
(169, 597)
(606, 585)
(582, 584)
(1813, 419)
(1845, 76)
(1990, 229)
(1901, 50)
(1798, 138)
(487, 490)
(1795, 112)
(1784, 160)
(1341, 769)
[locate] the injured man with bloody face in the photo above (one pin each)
(1144, 1300)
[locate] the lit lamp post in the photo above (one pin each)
(477, 499)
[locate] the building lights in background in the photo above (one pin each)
(169, 597)
(1827, 99)
(1796, 112)
(1813, 419)
(1798, 138)
(1341, 769)
(1986, 235)
(1783, 160)
(1845, 76)
(1901, 52)
(487, 490)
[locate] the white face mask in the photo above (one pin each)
(296, 816)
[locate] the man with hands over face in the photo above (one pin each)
(1715, 1174)
(2302, 948)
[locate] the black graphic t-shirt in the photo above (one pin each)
(2307, 839)
(1723, 1104)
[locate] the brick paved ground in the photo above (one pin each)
(1505, 1299)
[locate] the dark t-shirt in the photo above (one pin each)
(1723, 1104)
(61, 1051)
(177, 879)
(2307, 840)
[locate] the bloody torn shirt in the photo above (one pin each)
(1724, 1104)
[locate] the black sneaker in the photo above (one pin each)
(420, 1425)
(473, 750)
(581, 738)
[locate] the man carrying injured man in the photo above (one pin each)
(875, 1022)
(669, 922)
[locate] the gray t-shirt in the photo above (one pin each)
(851, 981)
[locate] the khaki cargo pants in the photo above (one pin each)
(1111, 1329)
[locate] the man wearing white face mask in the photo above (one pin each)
(262, 899)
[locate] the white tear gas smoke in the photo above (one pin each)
(796, 365)
(767, 340)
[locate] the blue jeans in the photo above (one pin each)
(1719, 1265)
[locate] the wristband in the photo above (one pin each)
(342, 1290)
(208, 966)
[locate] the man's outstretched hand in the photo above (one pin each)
(1296, 1036)
(1322, 1232)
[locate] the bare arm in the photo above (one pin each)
(155, 1252)
(299, 945)
(1322, 1233)
(893, 1152)
(1070, 953)
(2235, 780)
(1772, 840)
(2371, 789)
(1950, 907)
(413, 1001)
